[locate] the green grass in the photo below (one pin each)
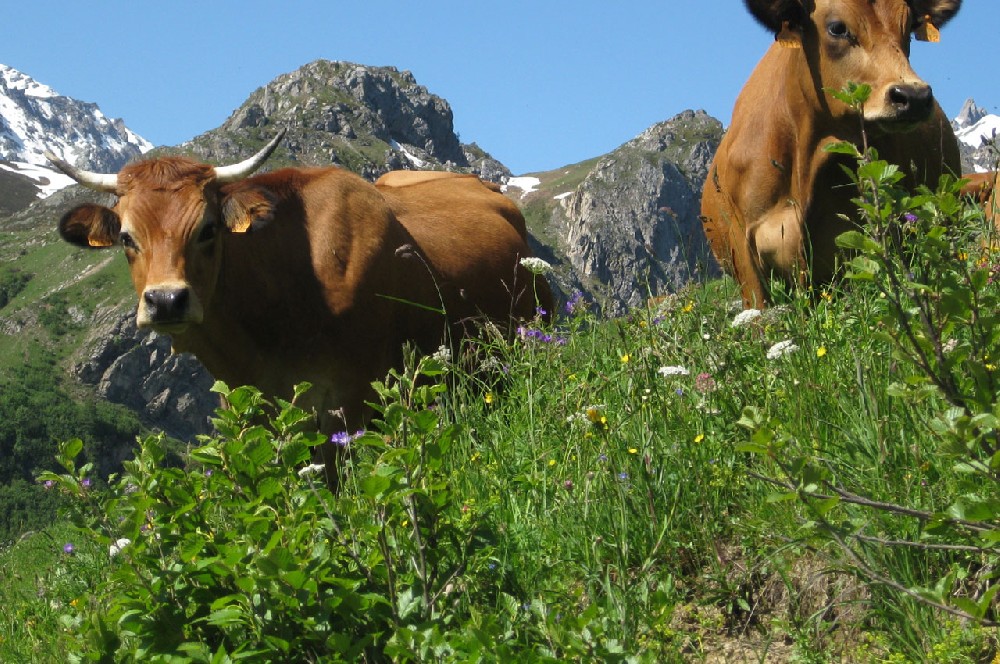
(618, 505)
(650, 488)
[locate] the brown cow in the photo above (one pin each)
(982, 188)
(308, 274)
(773, 197)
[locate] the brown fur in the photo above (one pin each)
(772, 202)
(330, 278)
(982, 188)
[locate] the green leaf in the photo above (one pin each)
(374, 486)
(191, 546)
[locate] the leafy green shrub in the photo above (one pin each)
(929, 264)
(12, 282)
(245, 554)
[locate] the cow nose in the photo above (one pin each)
(912, 102)
(166, 304)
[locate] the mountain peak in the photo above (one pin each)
(365, 118)
(35, 118)
(970, 114)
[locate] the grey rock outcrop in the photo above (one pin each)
(367, 119)
(132, 367)
(631, 230)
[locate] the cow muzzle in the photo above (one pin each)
(166, 308)
(909, 102)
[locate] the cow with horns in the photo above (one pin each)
(309, 274)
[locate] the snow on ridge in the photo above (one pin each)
(48, 180)
(525, 183)
(413, 159)
(985, 128)
(15, 80)
(34, 119)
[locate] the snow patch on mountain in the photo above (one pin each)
(35, 118)
(976, 129)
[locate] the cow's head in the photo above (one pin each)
(167, 217)
(862, 41)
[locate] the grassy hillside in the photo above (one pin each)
(654, 488)
(50, 297)
(816, 482)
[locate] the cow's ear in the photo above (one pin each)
(778, 16)
(931, 15)
(247, 209)
(91, 226)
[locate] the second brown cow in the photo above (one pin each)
(774, 198)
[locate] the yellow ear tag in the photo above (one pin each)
(927, 31)
(241, 225)
(93, 242)
(788, 38)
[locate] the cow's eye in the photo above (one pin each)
(207, 233)
(838, 29)
(127, 242)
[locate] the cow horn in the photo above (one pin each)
(99, 181)
(235, 172)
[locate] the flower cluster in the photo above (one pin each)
(745, 317)
(780, 349)
(672, 371)
(343, 439)
(575, 304)
(533, 334)
(536, 265)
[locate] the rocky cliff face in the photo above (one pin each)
(35, 118)
(631, 229)
(976, 130)
(367, 119)
(137, 369)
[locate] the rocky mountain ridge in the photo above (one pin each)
(367, 119)
(976, 130)
(35, 118)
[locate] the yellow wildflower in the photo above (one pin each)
(632, 450)
(625, 358)
(700, 437)
(821, 351)
(488, 398)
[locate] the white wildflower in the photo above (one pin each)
(781, 349)
(536, 265)
(950, 345)
(443, 354)
(311, 469)
(117, 547)
(672, 371)
(745, 317)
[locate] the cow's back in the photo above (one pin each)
(473, 237)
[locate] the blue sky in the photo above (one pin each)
(539, 84)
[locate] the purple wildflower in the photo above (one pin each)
(343, 439)
(575, 303)
(623, 476)
(910, 217)
(48, 484)
(68, 548)
(85, 483)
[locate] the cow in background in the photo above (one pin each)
(773, 199)
(309, 274)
